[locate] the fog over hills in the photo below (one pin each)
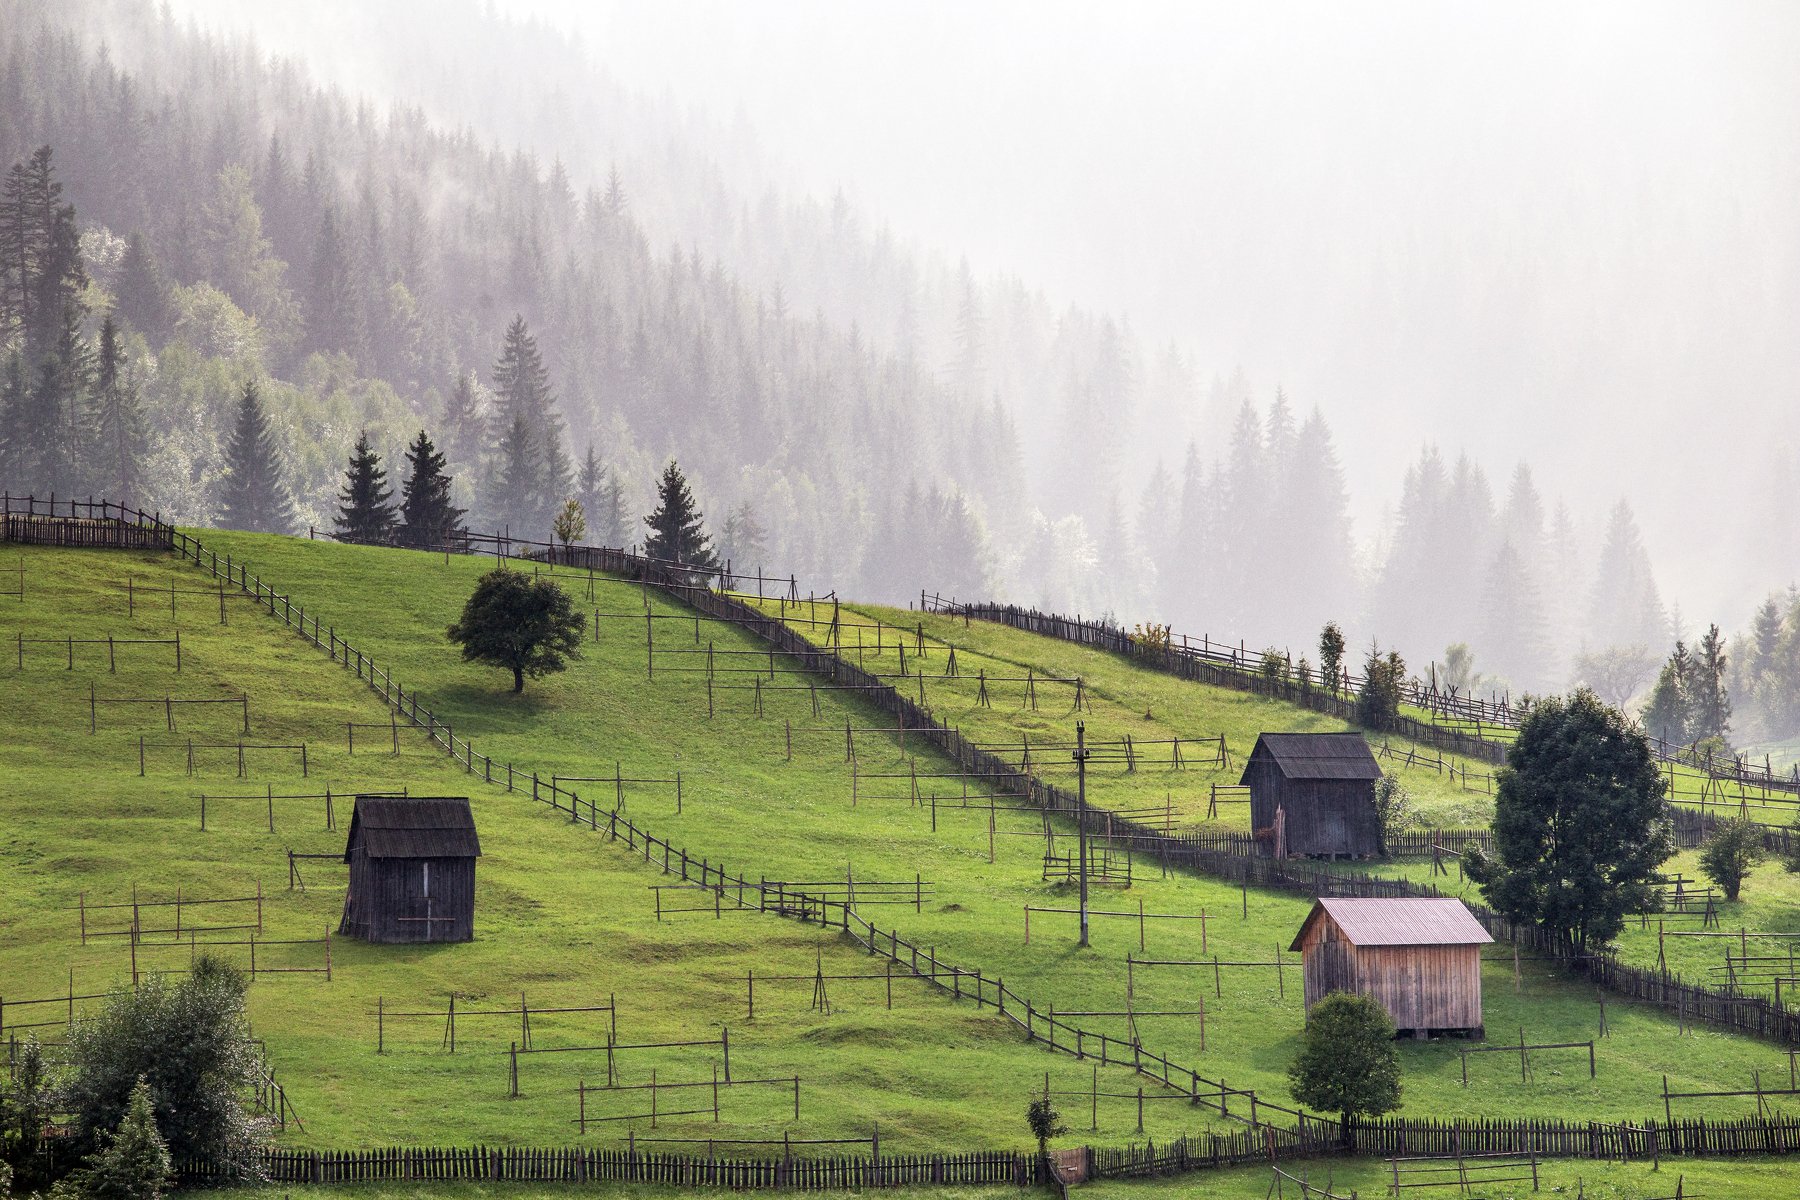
(1114, 258)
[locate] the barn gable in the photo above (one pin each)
(413, 827)
(1322, 756)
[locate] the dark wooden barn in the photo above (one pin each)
(1313, 794)
(1419, 958)
(412, 870)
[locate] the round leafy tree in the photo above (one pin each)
(1580, 823)
(1731, 853)
(1347, 1063)
(527, 626)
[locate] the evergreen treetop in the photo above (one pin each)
(255, 494)
(365, 508)
(425, 497)
(677, 529)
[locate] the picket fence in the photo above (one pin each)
(1384, 1138)
(585, 1164)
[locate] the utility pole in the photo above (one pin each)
(1081, 757)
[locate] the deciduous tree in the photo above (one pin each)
(527, 626)
(1347, 1064)
(1580, 823)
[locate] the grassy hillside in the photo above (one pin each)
(562, 918)
(567, 917)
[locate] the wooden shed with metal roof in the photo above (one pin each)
(1419, 957)
(412, 869)
(1313, 794)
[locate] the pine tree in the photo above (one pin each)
(589, 483)
(520, 379)
(522, 385)
(1669, 713)
(1709, 704)
(134, 1163)
(677, 534)
(464, 427)
(365, 508)
(611, 528)
(255, 493)
(515, 473)
(1625, 607)
(1514, 635)
(742, 539)
(332, 297)
(425, 498)
(116, 464)
(143, 291)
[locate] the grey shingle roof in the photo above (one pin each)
(1318, 755)
(414, 827)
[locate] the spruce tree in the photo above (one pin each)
(134, 1163)
(464, 431)
(255, 493)
(1709, 704)
(116, 464)
(677, 534)
(425, 504)
(515, 473)
(1668, 715)
(520, 379)
(365, 508)
(589, 483)
(143, 292)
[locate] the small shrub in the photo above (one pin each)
(1395, 812)
(1731, 853)
(1045, 1123)
(134, 1163)
(1153, 636)
(1274, 665)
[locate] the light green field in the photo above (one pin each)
(568, 918)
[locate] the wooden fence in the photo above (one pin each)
(46, 528)
(582, 1164)
(1233, 667)
(1388, 1137)
(1713, 1006)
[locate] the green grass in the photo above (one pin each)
(567, 917)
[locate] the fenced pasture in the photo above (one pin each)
(758, 783)
(544, 911)
(1472, 728)
(492, 763)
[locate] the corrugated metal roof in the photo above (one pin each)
(414, 827)
(1317, 755)
(1401, 921)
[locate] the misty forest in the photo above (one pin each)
(212, 257)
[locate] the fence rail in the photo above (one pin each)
(1650, 1139)
(1235, 667)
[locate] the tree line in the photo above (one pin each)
(865, 419)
